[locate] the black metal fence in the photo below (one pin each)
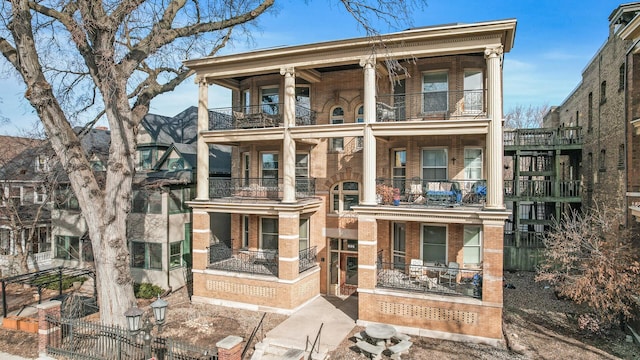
(79, 339)
(307, 258)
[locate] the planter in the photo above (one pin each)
(28, 325)
(11, 322)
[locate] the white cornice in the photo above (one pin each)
(458, 215)
(255, 207)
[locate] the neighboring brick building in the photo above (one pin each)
(324, 145)
(606, 105)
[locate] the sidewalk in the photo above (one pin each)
(5, 356)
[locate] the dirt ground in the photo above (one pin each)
(537, 326)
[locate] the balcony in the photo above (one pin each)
(257, 116)
(262, 262)
(440, 105)
(542, 188)
(427, 280)
(420, 192)
(543, 136)
(258, 188)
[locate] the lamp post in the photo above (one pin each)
(134, 315)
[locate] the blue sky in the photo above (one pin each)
(554, 42)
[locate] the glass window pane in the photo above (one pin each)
(471, 235)
(350, 200)
(269, 225)
(175, 255)
(155, 202)
(471, 255)
(155, 255)
(137, 254)
(350, 185)
(337, 112)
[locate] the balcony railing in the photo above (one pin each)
(416, 191)
(221, 257)
(439, 105)
(542, 188)
(427, 279)
(528, 239)
(265, 262)
(307, 259)
(257, 116)
(258, 188)
(543, 136)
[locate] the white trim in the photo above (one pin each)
(286, 259)
(366, 242)
(288, 237)
(200, 251)
(201, 231)
(367, 267)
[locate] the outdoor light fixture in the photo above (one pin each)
(134, 315)
(159, 309)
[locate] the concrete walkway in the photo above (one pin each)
(5, 356)
(339, 318)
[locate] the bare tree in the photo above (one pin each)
(590, 259)
(112, 58)
(521, 117)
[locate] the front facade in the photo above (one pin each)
(350, 179)
(25, 219)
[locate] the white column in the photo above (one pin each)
(494, 136)
(202, 187)
(289, 145)
(369, 150)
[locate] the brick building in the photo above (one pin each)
(346, 183)
(606, 105)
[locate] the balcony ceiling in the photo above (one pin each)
(312, 59)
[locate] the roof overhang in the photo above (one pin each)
(409, 44)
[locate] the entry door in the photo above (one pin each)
(399, 245)
(348, 274)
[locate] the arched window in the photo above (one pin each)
(344, 195)
(337, 117)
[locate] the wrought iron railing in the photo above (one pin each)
(221, 257)
(416, 191)
(430, 279)
(264, 188)
(307, 258)
(543, 136)
(256, 116)
(79, 339)
(438, 105)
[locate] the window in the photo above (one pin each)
(344, 195)
(175, 164)
(434, 244)
(67, 247)
(473, 164)
(177, 199)
(590, 113)
(473, 81)
(621, 156)
(303, 105)
(360, 119)
(14, 197)
(175, 254)
(434, 164)
(603, 92)
(42, 242)
(269, 169)
(269, 99)
(245, 231)
(472, 250)
(302, 165)
(621, 78)
(146, 159)
(5, 241)
(246, 101)
(147, 202)
(246, 168)
(337, 117)
(602, 160)
(146, 255)
(42, 163)
(435, 88)
(65, 199)
(304, 234)
(399, 168)
(269, 234)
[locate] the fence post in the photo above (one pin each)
(45, 332)
(230, 348)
